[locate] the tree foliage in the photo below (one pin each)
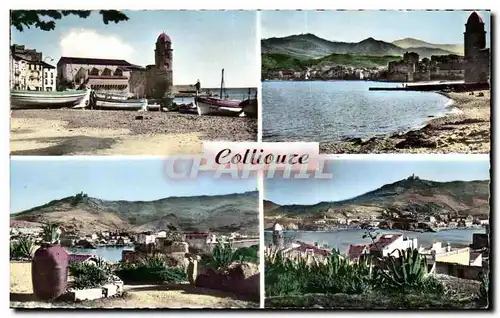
(46, 19)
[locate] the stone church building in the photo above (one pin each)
(477, 56)
(153, 81)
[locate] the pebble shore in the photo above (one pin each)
(464, 130)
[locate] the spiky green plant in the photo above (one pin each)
(484, 287)
(408, 271)
(51, 233)
(22, 248)
(222, 255)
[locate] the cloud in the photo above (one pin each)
(89, 43)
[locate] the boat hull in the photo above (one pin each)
(211, 106)
(37, 99)
(250, 108)
(111, 97)
(114, 105)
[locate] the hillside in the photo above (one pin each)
(423, 197)
(408, 43)
(220, 213)
(309, 46)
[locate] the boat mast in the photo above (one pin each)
(222, 84)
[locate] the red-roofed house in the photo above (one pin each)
(355, 252)
(301, 248)
(82, 258)
(388, 243)
(385, 245)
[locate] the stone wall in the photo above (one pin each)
(477, 68)
(460, 271)
(137, 83)
(159, 82)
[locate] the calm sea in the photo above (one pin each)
(335, 110)
(113, 254)
(343, 238)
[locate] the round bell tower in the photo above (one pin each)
(163, 52)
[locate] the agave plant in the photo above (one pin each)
(222, 255)
(23, 248)
(51, 233)
(484, 288)
(407, 271)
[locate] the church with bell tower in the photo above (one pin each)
(159, 76)
(477, 56)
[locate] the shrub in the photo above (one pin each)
(247, 254)
(153, 269)
(301, 275)
(23, 248)
(223, 255)
(87, 275)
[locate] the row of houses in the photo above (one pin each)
(338, 72)
(29, 71)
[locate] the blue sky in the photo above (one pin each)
(204, 42)
(355, 177)
(36, 182)
(441, 27)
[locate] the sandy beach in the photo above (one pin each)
(56, 132)
(464, 129)
(136, 296)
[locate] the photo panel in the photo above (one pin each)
(124, 233)
(378, 81)
(156, 82)
(380, 234)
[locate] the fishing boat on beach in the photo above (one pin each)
(130, 104)
(218, 105)
(49, 99)
(111, 96)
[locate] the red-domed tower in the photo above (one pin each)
(477, 56)
(163, 52)
(159, 76)
(474, 35)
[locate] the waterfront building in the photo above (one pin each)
(121, 76)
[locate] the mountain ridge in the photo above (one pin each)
(310, 46)
(202, 213)
(424, 197)
(408, 43)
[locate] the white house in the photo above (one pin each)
(197, 239)
(161, 234)
(484, 221)
(146, 238)
(389, 243)
(48, 77)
